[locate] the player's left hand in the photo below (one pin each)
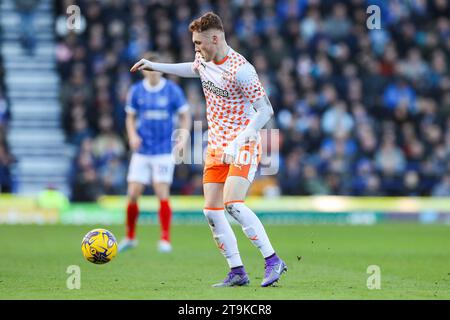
(179, 148)
(178, 151)
(142, 64)
(229, 153)
(249, 135)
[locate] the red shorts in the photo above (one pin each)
(245, 164)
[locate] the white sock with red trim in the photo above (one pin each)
(224, 236)
(252, 226)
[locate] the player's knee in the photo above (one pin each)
(133, 199)
(228, 207)
(210, 218)
(134, 192)
(232, 209)
(162, 191)
(133, 195)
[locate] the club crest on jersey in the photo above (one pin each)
(162, 101)
(208, 85)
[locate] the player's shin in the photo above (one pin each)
(165, 216)
(252, 226)
(132, 216)
(224, 236)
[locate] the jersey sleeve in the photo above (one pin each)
(196, 63)
(249, 83)
(131, 106)
(179, 100)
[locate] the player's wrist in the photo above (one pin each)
(249, 134)
(150, 65)
(133, 135)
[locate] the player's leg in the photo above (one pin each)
(223, 235)
(135, 190)
(162, 167)
(235, 190)
(162, 191)
(138, 177)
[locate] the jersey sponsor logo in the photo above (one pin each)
(156, 114)
(162, 101)
(208, 85)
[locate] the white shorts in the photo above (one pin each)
(147, 169)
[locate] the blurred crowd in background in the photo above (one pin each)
(360, 112)
(25, 9)
(6, 159)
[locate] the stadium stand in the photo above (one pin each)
(6, 159)
(34, 135)
(360, 112)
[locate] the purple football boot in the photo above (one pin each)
(236, 277)
(274, 269)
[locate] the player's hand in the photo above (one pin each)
(142, 64)
(227, 158)
(179, 150)
(229, 153)
(135, 142)
(249, 135)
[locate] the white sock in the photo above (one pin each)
(224, 236)
(252, 227)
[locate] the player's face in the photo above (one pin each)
(203, 44)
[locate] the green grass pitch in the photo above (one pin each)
(325, 262)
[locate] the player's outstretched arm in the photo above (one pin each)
(179, 69)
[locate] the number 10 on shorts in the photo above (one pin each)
(243, 157)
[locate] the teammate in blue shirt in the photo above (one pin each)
(153, 105)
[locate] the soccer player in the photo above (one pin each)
(237, 108)
(151, 108)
